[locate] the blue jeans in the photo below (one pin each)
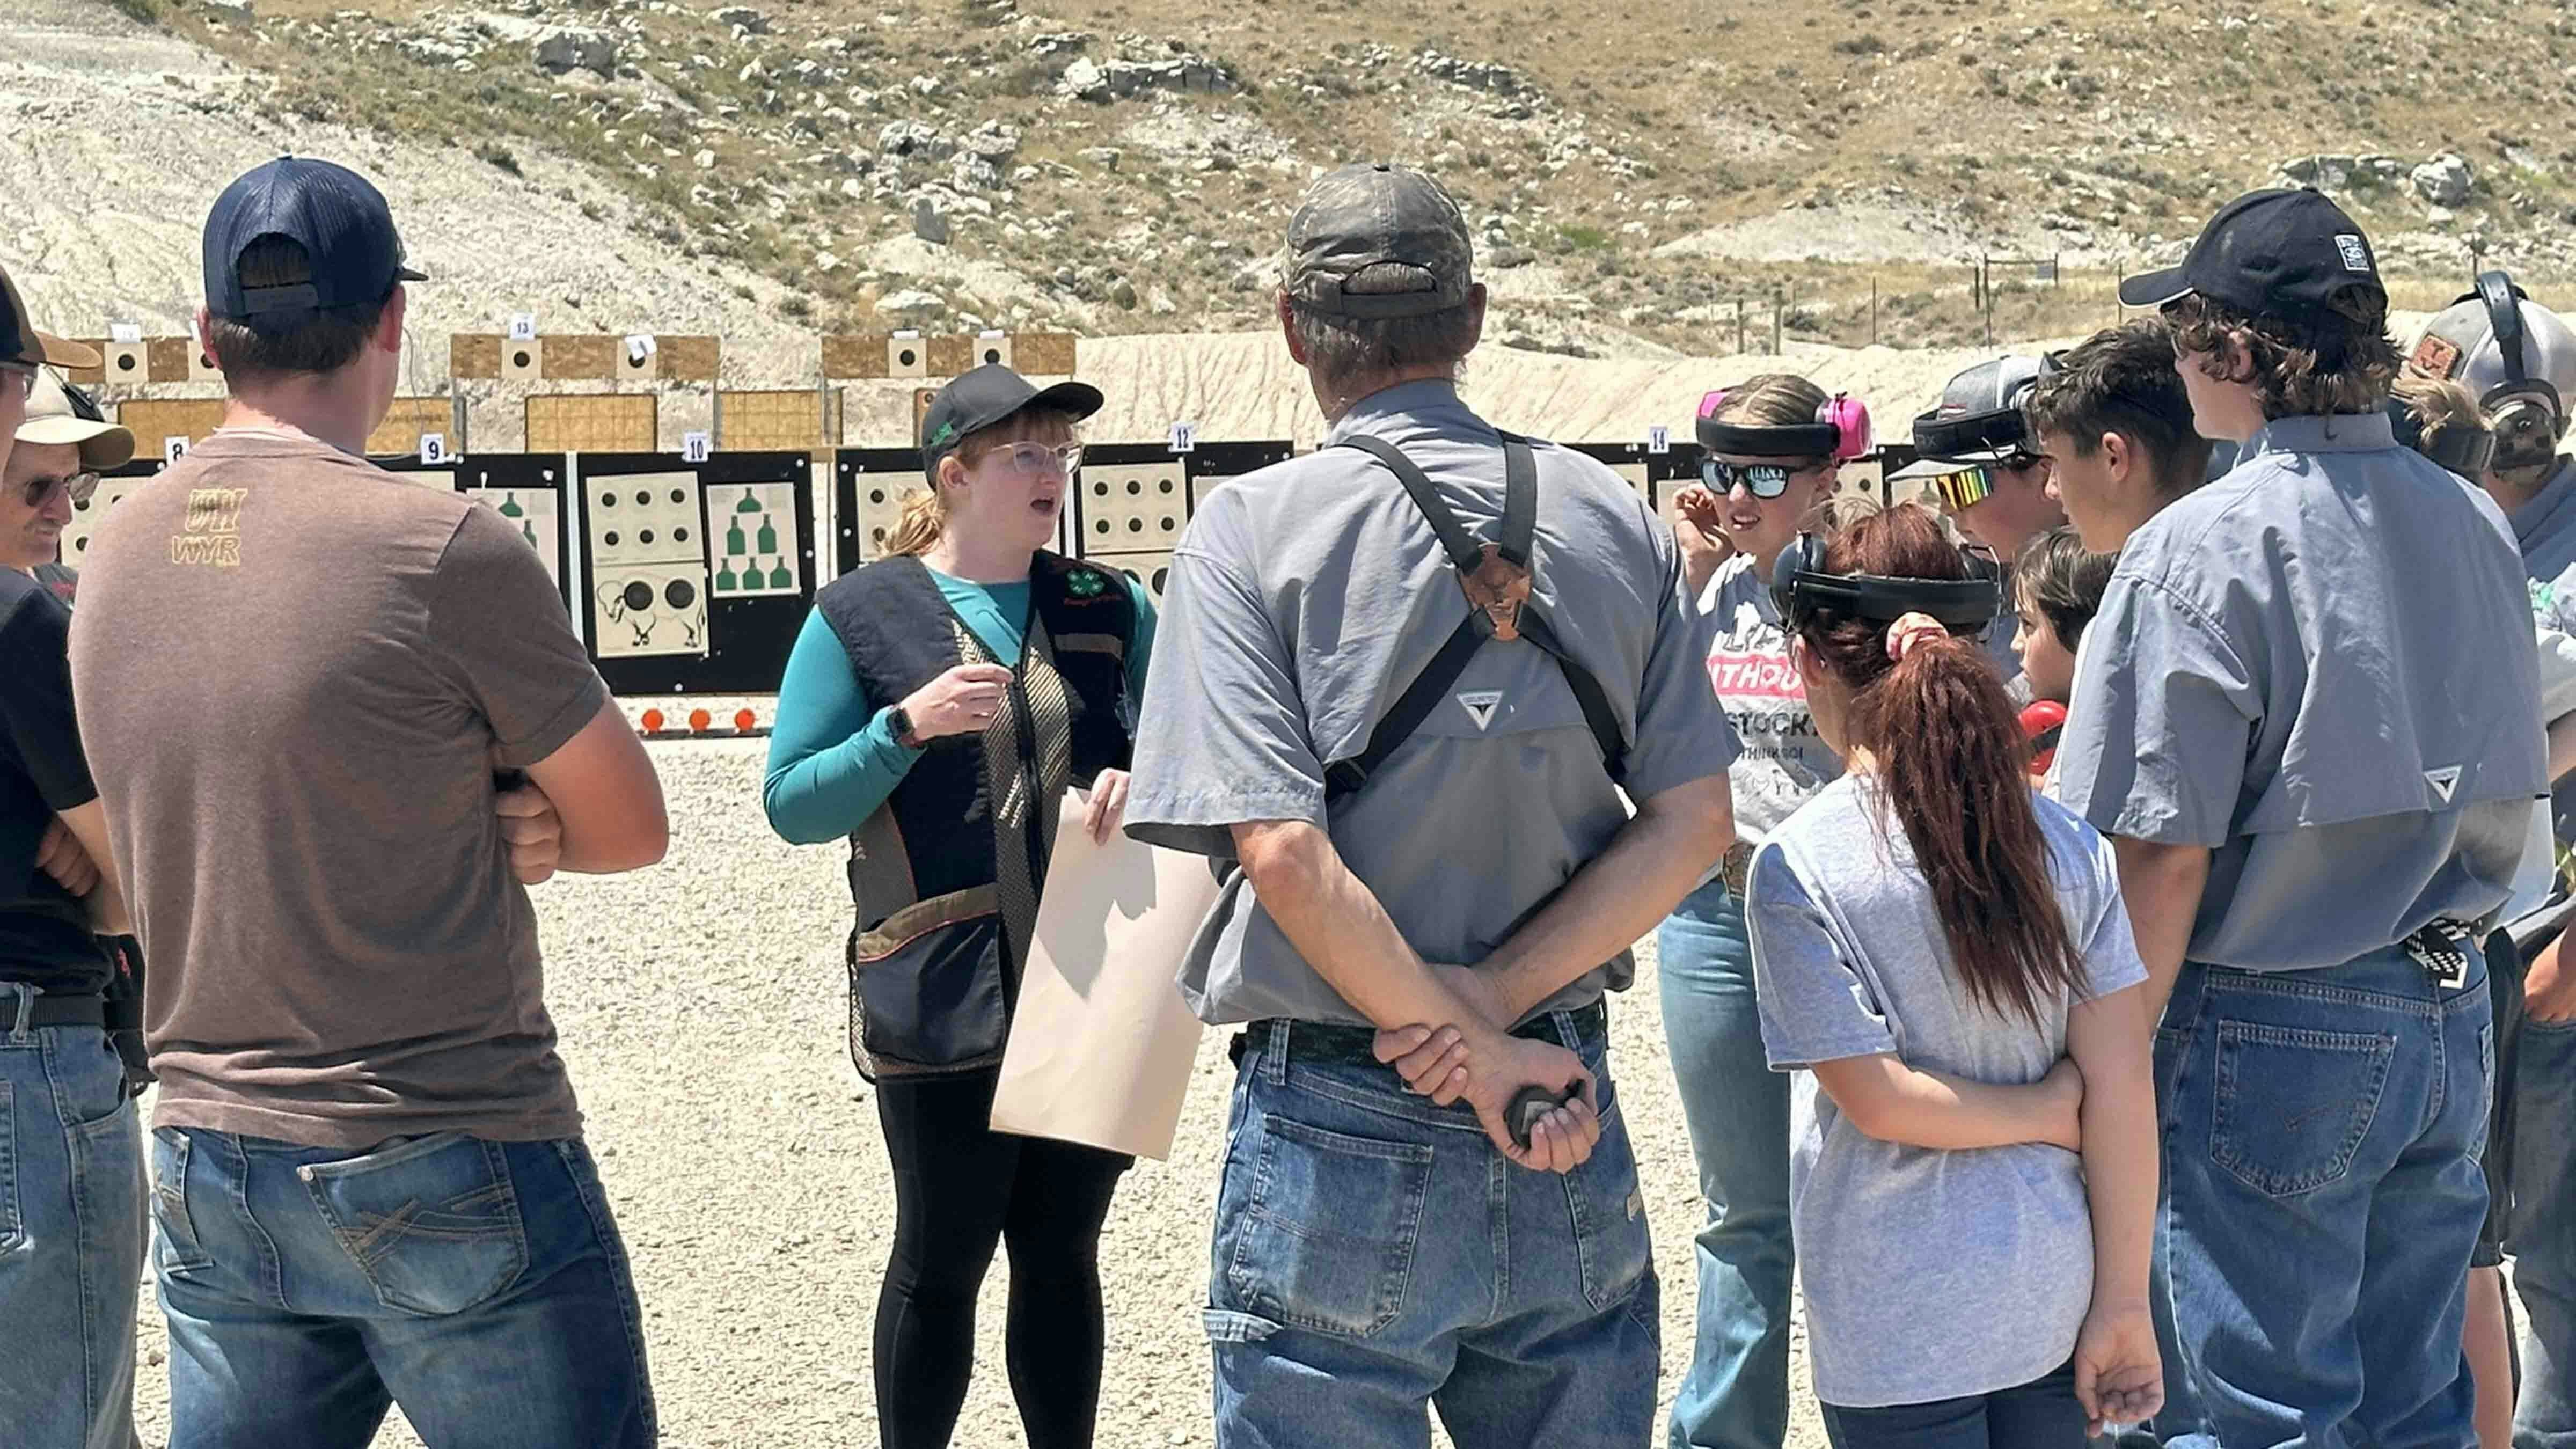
(481, 1285)
(2041, 1414)
(2541, 1232)
(1374, 1255)
(71, 1235)
(1736, 1393)
(2324, 1197)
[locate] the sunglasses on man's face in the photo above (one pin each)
(78, 487)
(1762, 480)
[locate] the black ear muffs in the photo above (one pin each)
(2503, 300)
(1801, 584)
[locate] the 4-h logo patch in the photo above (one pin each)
(1086, 584)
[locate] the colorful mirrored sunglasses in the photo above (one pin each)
(1967, 487)
(1762, 480)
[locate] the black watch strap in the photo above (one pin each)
(899, 723)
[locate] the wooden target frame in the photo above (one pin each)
(598, 422)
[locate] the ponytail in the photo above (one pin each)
(924, 518)
(1954, 766)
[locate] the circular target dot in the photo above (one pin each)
(645, 537)
(638, 595)
(1135, 525)
(643, 499)
(519, 358)
(876, 495)
(679, 535)
(1167, 485)
(679, 593)
(677, 496)
(1167, 524)
(608, 500)
(1134, 488)
(609, 539)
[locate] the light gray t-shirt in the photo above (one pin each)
(1928, 1274)
(2322, 668)
(1303, 600)
(1785, 762)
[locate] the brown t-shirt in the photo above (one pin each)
(314, 669)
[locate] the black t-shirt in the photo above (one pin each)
(45, 937)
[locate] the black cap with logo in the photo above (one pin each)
(336, 215)
(2266, 254)
(992, 394)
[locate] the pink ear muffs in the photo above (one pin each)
(1709, 403)
(1848, 416)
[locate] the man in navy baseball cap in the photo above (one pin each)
(2267, 254)
(352, 253)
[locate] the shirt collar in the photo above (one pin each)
(2341, 433)
(1432, 400)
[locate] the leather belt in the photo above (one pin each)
(1355, 1045)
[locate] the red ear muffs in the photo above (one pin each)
(1849, 418)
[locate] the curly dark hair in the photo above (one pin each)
(2336, 358)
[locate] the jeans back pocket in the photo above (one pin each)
(1327, 1237)
(1608, 1207)
(2294, 1104)
(433, 1223)
(174, 1231)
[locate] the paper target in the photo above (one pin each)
(536, 514)
(756, 547)
(648, 563)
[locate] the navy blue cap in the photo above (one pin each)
(2273, 253)
(338, 217)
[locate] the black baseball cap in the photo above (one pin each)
(336, 215)
(1377, 215)
(2267, 254)
(992, 394)
(21, 345)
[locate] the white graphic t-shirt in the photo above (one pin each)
(1785, 762)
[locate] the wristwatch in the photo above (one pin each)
(900, 723)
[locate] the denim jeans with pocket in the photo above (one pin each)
(1735, 1395)
(71, 1234)
(481, 1285)
(1374, 1257)
(2324, 1196)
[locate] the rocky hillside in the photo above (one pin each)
(1647, 175)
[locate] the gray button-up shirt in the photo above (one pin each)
(1306, 597)
(2320, 668)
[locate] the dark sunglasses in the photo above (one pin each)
(77, 487)
(1762, 480)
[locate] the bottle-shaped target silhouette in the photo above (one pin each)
(733, 538)
(725, 577)
(768, 535)
(510, 506)
(779, 577)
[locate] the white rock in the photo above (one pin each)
(911, 305)
(2444, 181)
(706, 160)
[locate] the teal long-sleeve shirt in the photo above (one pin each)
(832, 758)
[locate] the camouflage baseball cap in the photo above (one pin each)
(1378, 215)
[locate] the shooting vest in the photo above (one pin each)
(946, 873)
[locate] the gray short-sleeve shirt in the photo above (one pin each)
(2320, 667)
(2545, 527)
(1302, 601)
(1850, 960)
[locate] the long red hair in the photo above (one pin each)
(1954, 764)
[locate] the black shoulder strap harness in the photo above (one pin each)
(1496, 579)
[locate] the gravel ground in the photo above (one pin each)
(702, 1011)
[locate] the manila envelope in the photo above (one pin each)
(1101, 1045)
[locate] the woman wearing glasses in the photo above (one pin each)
(1774, 447)
(936, 706)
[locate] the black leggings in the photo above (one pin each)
(961, 1188)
